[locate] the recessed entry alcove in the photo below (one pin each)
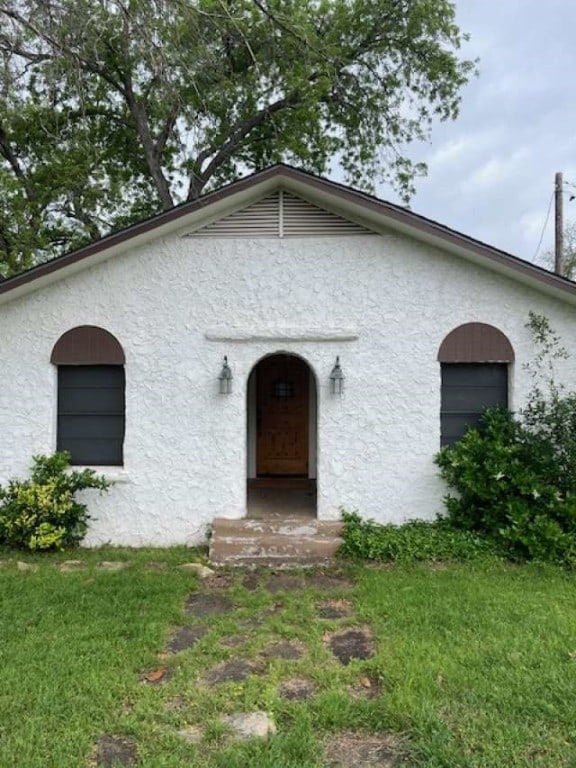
(282, 426)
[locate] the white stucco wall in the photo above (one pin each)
(186, 446)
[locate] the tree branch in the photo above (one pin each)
(10, 156)
(236, 136)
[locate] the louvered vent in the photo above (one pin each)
(281, 215)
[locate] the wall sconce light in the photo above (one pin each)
(337, 379)
(225, 378)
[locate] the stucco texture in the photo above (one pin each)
(186, 445)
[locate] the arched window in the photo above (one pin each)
(474, 360)
(91, 396)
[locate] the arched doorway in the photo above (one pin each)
(281, 437)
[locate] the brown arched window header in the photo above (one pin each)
(476, 343)
(87, 345)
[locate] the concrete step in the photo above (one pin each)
(289, 541)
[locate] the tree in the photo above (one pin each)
(111, 110)
(569, 260)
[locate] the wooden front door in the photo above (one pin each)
(282, 397)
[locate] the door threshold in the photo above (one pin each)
(285, 481)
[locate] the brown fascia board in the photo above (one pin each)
(362, 202)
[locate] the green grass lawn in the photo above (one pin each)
(475, 665)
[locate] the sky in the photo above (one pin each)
(491, 172)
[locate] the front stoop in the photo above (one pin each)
(290, 541)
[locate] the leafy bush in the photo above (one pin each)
(417, 540)
(515, 477)
(510, 487)
(42, 513)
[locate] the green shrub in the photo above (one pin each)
(417, 540)
(515, 477)
(42, 513)
(510, 486)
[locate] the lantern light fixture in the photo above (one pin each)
(225, 378)
(337, 379)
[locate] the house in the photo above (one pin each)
(199, 355)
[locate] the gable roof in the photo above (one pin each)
(360, 208)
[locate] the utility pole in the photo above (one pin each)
(559, 225)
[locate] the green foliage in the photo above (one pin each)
(414, 541)
(569, 266)
(515, 477)
(42, 513)
(111, 111)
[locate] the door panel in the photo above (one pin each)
(282, 397)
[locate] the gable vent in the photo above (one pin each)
(281, 215)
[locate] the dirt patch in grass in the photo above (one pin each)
(220, 581)
(327, 581)
(233, 641)
(234, 670)
(256, 621)
(351, 643)
(285, 649)
(334, 609)
(114, 751)
(201, 604)
(184, 638)
(296, 689)
(355, 750)
(366, 687)
(283, 582)
(251, 581)
(176, 703)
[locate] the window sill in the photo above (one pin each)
(112, 473)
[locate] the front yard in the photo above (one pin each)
(459, 665)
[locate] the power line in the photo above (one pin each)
(544, 227)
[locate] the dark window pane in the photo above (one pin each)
(91, 406)
(478, 374)
(91, 400)
(80, 376)
(94, 452)
(470, 398)
(467, 390)
(91, 426)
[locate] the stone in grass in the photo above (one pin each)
(250, 725)
(184, 638)
(285, 649)
(351, 643)
(356, 750)
(334, 609)
(113, 751)
(199, 569)
(112, 565)
(234, 670)
(157, 676)
(26, 567)
(200, 604)
(296, 689)
(70, 565)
